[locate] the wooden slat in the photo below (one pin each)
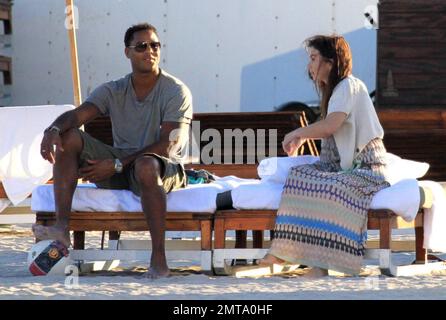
(412, 6)
(252, 223)
(395, 20)
(239, 170)
(415, 119)
(226, 123)
(409, 36)
(246, 213)
(414, 97)
(393, 51)
(283, 122)
(265, 219)
(414, 81)
(89, 223)
(427, 65)
(104, 216)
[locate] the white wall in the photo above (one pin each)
(235, 55)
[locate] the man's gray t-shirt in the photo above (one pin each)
(137, 124)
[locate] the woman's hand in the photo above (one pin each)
(292, 142)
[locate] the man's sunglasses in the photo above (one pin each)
(142, 46)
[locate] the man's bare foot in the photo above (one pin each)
(52, 233)
(315, 273)
(269, 260)
(156, 274)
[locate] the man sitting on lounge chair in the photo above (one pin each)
(150, 111)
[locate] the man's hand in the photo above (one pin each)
(50, 142)
(97, 170)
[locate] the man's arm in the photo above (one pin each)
(76, 117)
(66, 121)
(168, 142)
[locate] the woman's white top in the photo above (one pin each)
(362, 125)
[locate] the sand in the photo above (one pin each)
(188, 283)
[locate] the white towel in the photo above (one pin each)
(263, 195)
(403, 198)
(21, 166)
(193, 198)
(435, 218)
(275, 169)
(4, 203)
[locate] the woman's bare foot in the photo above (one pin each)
(315, 273)
(269, 260)
(52, 233)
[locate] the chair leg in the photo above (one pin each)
(219, 233)
(420, 252)
(79, 240)
(206, 235)
(257, 239)
(385, 234)
(241, 239)
(113, 235)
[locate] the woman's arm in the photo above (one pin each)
(317, 130)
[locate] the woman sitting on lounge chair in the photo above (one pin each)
(322, 219)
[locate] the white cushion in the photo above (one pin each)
(193, 198)
(264, 195)
(399, 169)
(403, 198)
(275, 169)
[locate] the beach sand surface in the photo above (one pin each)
(188, 283)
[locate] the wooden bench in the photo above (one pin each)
(240, 220)
(425, 144)
(259, 221)
(115, 222)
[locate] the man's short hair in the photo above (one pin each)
(135, 28)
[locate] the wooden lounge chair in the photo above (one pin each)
(240, 220)
(398, 126)
(115, 222)
(259, 221)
